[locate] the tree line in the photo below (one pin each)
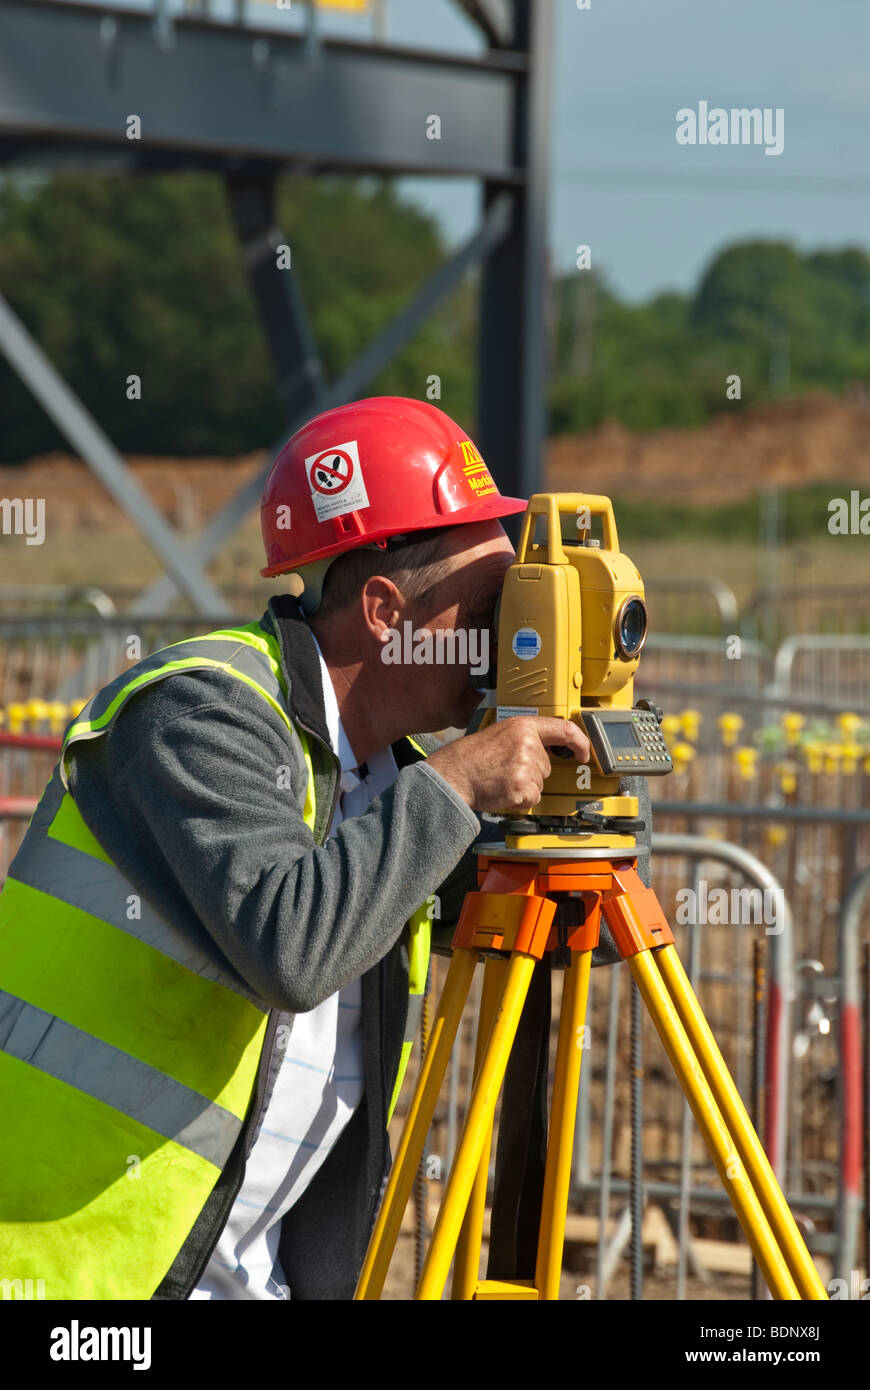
(142, 276)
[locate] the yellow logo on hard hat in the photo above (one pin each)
(476, 472)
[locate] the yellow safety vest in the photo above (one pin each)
(127, 1059)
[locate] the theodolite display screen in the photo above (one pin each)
(626, 740)
(622, 735)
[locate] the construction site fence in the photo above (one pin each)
(786, 1000)
(47, 655)
(760, 1046)
(69, 656)
(702, 607)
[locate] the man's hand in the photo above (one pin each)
(503, 768)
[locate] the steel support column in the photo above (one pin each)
(352, 382)
(513, 329)
(276, 290)
(239, 97)
(103, 459)
(253, 103)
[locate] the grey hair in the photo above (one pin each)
(414, 568)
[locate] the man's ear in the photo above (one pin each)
(382, 606)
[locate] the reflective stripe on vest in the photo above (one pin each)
(117, 1121)
(419, 945)
(117, 1079)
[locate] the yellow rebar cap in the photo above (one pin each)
(792, 723)
(683, 753)
(747, 762)
(690, 721)
(787, 774)
(730, 725)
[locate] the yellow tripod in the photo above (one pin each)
(511, 920)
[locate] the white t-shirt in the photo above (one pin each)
(314, 1085)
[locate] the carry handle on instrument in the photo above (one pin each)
(554, 506)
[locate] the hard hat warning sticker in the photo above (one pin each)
(477, 475)
(336, 481)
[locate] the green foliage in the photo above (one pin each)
(780, 320)
(803, 516)
(143, 275)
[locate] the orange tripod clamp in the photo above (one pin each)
(513, 909)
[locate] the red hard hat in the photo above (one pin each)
(369, 470)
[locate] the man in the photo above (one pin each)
(214, 930)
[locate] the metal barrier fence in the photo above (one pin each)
(719, 968)
(852, 1079)
(817, 852)
(824, 667)
(816, 675)
(43, 655)
(692, 605)
(814, 672)
(803, 1047)
(61, 658)
(67, 598)
(773, 614)
(730, 661)
(699, 674)
(26, 762)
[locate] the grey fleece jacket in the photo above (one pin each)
(196, 793)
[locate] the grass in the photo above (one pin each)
(661, 542)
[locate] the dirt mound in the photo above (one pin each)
(793, 443)
(787, 444)
(186, 491)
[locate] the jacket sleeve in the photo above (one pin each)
(196, 793)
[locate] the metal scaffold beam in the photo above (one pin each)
(86, 437)
(349, 385)
(222, 94)
(253, 103)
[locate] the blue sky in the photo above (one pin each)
(653, 212)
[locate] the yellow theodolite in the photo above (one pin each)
(572, 623)
(571, 626)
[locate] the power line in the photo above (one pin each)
(725, 183)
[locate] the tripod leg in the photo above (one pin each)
(466, 1265)
(563, 1113)
(389, 1221)
(719, 1140)
(478, 1124)
(749, 1146)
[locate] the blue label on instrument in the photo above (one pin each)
(526, 643)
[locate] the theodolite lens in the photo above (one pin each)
(631, 627)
